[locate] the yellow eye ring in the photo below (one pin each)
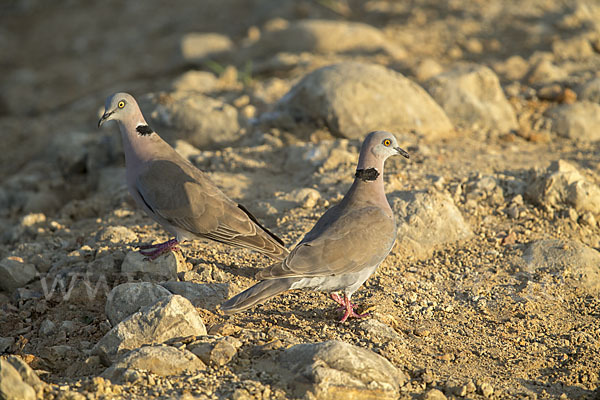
(387, 142)
(121, 104)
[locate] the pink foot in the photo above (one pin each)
(347, 306)
(154, 251)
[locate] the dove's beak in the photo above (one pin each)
(402, 152)
(105, 117)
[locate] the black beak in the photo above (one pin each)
(402, 152)
(104, 118)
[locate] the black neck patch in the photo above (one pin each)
(143, 130)
(369, 174)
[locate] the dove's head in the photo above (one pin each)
(121, 107)
(380, 145)
(376, 148)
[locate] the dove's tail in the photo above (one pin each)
(257, 294)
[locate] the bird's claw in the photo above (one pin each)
(347, 307)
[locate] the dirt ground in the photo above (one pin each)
(469, 311)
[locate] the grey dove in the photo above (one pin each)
(176, 194)
(345, 246)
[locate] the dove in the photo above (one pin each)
(345, 246)
(178, 195)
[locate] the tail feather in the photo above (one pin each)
(257, 294)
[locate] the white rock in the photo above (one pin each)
(200, 120)
(351, 99)
(167, 265)
(158, 360)
(575, 262)
(562, 186)
(472, 97)
(168, 318)
(338, 370)
(426, 220)
(12, 386)
(128, 298)
(577, 121)
(15, 273)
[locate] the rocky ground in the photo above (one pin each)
(491, 290)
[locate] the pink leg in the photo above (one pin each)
(153, 251)
(349, 307)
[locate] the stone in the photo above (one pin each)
(590, 91)
(576, 48)
(578, 121)
(544, 71)
(12, 386)
(215, 350)
(351, 99)
(306, 197)
(562, 186)
(128, 298)
(166, 266)
(47, 327)
(27, 374)
(434, 394)
(6, 343)
(471, 96)
(325, 37)
(379, 331)
(15, 273)
(116, 234)
(168, 318)
(159, 360)
(206, 296)
(196, 81)
(576, 263)
(426, 219)
(513, 68)
(200, 120)
(336, 370)
(426, 69)
(198, 47)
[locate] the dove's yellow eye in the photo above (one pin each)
(387, 142)
(121, 104)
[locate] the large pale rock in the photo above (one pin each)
(426, 220)
(200, 120)
(15, 273)
(351, 99)
(338, 370)
(168, 318)
(325, 37)
(12, 386)
(563, 186)
(576, 263)
(159, 360)
(472, 97)
(206, 296)
(577, 121)
(128, 298)
(166, 266)
(27, 374)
